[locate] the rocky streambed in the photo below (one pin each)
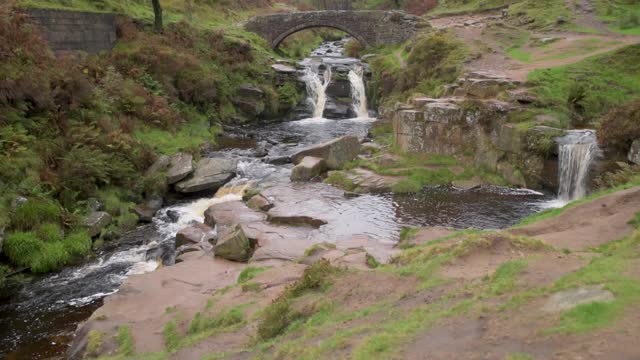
(262, 216)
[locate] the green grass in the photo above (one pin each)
(607, 270)
(505, 277)
(124, 339)
(340, 179)
(188, 138)
(96, 339)
(249, 273)
(49, 232)
(609, 79)
(35, 212)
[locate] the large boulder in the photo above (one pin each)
(181, 167)
(161, 164)
(634, 153)
(308, 168)
(94, 223)
(147, 210)
(234, 245)
(249, 100)
(336, 152)
(195, 234)
(210, 174)
(229, 213)
(336, 109)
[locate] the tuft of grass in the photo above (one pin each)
(227, 319)
(315, 277)
(22, 248)
(635, 222)
(249, 273)
(251, 287)
(49, 232)
(340, 180)
(586, 317)
(96, 339)
(124, 339)
(372, 262)
(504, 278)
(171, 336)
(316, 248)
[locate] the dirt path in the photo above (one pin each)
(566, 48)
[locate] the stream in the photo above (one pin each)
(39, 321)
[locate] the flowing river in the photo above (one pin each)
(39, 321)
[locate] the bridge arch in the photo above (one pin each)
(280, 38)
(369, 27)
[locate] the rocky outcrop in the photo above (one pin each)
(161, 164)
(634, 152)
(234, 245)
(308, 168)
(210, 174)
(195, 234)
(94, 223)
(250, 100)
(479, 132)
(482, 85)
(181, 167)
(336, 152)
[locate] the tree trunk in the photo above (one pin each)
(189, 10)
(157, 12)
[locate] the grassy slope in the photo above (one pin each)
(113, 113)
(608, 80)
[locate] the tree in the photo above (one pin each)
(157, 13)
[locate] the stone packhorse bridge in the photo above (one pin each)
(371, 28)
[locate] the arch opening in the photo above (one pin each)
(296, 29)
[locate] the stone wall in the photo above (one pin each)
(71, 31)
(369, 27)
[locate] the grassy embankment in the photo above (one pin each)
(75, 130)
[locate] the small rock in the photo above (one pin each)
(336, 152)
(250, 90)
(17, 202)
(195, 234)
(467, 185)
(94, 204)
(210, 174)
(569, 299)
(283, 69)
(97, 221)
(173, 215)
(259, 202)
(161, 164)
(634, 152)
(278, 160)
(149, 208)
(308, 168)
(234, 245)
(367, 57)
(181, 167)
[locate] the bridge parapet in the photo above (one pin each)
(369, 27)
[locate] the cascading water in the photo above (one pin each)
(577, 151)
(316, 88)
(358, 91)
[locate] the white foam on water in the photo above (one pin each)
(358, 91)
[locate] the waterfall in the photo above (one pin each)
(358, 91)
(316, 88)
(577, 151)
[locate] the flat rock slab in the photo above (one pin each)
(566, 300)
(181, 166)
(195, 234)
(275, 242)
(230, 213)
(467, 185)
(210, 174)
(283, 69)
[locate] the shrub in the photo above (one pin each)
(52, 257)
(49, 232)
(619, 127)
(315, 277)
(78, 243)
(35, 212)
(22, 248)
(276, 318)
